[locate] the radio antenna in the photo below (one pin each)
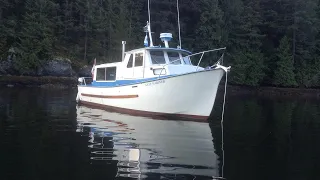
(178, 22)
(149, 24)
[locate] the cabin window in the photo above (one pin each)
(101, 72)
(157, 57)
(138, 60)
(130, 62)
(106, 74)
(185, 59)
(174, 57)
(111, 73)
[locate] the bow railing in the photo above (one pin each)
(82, 80)
(191, 55)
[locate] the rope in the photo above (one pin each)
(179, 22)
(222, 117)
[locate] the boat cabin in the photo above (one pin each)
(144, 64)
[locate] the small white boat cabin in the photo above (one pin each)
(144, 64)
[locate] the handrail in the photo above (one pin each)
(84, 81)
(202, 52)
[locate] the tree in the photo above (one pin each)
(36, 37)
(7, 27)
(305, 29)
(248, 65)
(209, 28)
(245, 43)
(284, 70)
(277, 18)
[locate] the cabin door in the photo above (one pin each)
(128, 73)
(138, 65)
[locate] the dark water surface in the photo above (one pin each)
(45, 135)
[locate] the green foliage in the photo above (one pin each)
(36, 36)
(209, 29)
(252, 31)
(306, 28)
(284, 70)
(248, 68)
(245, 44)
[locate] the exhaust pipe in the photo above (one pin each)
(123, 49)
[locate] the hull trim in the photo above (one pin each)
(110, 97)
(142, 81)
(153, 115)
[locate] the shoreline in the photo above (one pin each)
(269, 91)
(71, 82)
(33, 81)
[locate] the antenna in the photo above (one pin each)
(149, 24)
(149, 11)
(179, 22)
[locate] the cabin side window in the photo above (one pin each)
(130, 62)
(174, 57)
(106, 74)
(157, 57)
(101, 74)
(138, 60)
(111, 73)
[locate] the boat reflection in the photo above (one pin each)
(147, 148)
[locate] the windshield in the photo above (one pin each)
(186, 59)
(174, 57)
(157, 57)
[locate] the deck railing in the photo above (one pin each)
(202, 53)
(82, 80)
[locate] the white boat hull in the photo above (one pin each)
(189, 95)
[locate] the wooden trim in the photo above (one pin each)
(152, 115)
(110, 97)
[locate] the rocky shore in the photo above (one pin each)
(58, 72)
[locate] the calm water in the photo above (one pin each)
(45, 135)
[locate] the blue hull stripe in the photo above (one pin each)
(118, 83)
(124, 82)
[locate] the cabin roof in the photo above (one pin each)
(108, 64)
(159, 48)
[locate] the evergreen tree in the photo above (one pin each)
(305, 29)
(245, 38)
(248, 65)
(8, 23)
(3, 35)
(36, 37)
(209, 29)
(277, 18)
(64, 25)
(284, 70)
(137, 19)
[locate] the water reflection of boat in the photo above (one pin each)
(145, 147)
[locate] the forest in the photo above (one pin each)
(269, 42)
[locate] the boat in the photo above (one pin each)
(155, 80)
